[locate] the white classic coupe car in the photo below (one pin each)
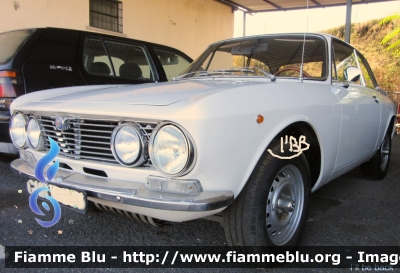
(250, 129)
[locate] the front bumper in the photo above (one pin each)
(6, 145)
(120, 193)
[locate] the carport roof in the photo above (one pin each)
(251, 6)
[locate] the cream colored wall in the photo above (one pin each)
(17, 14)
(189, 25)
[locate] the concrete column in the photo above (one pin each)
(244, 23)
(244, 34)
(347, 29)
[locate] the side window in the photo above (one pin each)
(95, 58)
(343, 58)
(129, 61)
(172, 62)
(367, 75)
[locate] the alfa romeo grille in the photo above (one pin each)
(87, 138)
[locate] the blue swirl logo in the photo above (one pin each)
(51, 172)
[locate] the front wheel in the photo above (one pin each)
(272, 208)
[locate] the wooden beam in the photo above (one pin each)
(273, 4)
(316, 3)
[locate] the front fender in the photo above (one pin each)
(230, 142)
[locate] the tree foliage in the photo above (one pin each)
(367, 38)
(392, 39)
(389, 19)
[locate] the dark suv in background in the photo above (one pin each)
(45, 58)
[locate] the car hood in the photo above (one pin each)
(159, 94)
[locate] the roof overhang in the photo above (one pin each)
(254, 6)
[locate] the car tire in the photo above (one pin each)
(376, 168)
(272, 208)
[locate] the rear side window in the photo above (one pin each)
(172, 62)
(367, 75)
(129, 61)
(96, 60)
(10, 42)
(118, 59)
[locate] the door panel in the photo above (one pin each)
(360, 124)
(361, 113)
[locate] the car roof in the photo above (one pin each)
(116, 36)
(307, 34)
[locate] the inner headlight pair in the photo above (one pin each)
(22, 134)
(171, 149)
(127, 145)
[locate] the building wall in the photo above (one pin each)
(189, 25)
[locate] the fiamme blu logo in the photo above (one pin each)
(39, 174)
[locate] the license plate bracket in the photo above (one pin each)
(68, 197)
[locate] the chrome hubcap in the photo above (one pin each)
(284, 205)
(385, 152)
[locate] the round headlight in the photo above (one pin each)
(171, 152)
(34, 134)
(17, 130)
(126, 145)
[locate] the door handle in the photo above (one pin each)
(345, 84)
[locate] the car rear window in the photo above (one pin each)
(10, 42)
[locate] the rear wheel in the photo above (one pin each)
(272, 208)
(377, 166)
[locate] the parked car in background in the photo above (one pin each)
(44, 58)
(250, 129)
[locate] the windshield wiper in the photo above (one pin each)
(184, 75)
(236, 70)
(216, 72)
(230, 71)
(249, 70)
(202, 73)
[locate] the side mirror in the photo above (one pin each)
(352, 74)
(380, 90)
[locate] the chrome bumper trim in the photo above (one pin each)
(131, 193)
(8, 148)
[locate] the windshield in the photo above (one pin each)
(266, 56)
(10, 42)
